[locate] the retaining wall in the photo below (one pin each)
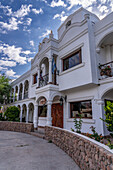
(16, 126)
(86, 152)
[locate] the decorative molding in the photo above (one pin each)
(72, 69)
(71, 51)
(80, 99)
(101, 30)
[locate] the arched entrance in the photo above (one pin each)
(42, 107)
(31, 113)
(107, 96)
(57, 112)
(44, 72)
(19, 107)
(24, 112)
(105, 57)
(26, 88)
(16, 93)
(20, 91)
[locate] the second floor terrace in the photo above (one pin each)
(105, 57)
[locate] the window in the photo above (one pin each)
(83, 107)
(72, 60)
(42, 111)
(35, 78)
(68, 24)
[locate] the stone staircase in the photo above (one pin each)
(40, 132)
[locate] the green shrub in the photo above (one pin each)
(109, 121)
(78, 124)
(12, 113)
(1, 117)
(95, 135)
(109, 117)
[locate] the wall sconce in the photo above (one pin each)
(62, 98)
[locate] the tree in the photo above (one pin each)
(4, 88)
(12, 113)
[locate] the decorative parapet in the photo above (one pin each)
(86, 152)
(17, 126)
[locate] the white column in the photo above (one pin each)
(49, 118)
(35, 121)
(108, 53)
(64, 115)
(38, 81)
(50, 70)
(101, 114)
(23, 92)
(27, 114)
(21, 114)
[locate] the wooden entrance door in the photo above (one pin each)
(57, 115)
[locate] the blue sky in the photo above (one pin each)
(24, 23)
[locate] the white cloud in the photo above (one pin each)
(44, 1)
(29, 20)
(27, 52)
(83, 3)
(45, 34)
(29, 59)
(103, 8)
(15, 54)
(7, 63)
(6, 9)
(12, 25)
(40, 11)
(58, 3)
(23, 11)
(61, 16)
(26, 30)
(11, 73)
(2, 68)
(31, 43)
(3, 31)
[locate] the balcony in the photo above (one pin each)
(106, 70)
(43, 80)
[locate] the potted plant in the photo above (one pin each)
(108, 71)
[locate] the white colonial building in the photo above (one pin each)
(69, 75)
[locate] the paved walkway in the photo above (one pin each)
(19, 151)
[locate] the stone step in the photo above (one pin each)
(38, 135)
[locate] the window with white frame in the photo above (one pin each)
(72, 60)
(82, 107)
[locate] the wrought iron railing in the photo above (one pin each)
(106, 70)
(43, 80)
(25, 95)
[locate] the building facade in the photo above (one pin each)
(69, 75)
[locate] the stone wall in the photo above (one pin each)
(16, 126)
(87, 154)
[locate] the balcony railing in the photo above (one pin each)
(43, 80)
(25, 95)
(106, 70)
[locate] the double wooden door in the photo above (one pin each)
(57, 115)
